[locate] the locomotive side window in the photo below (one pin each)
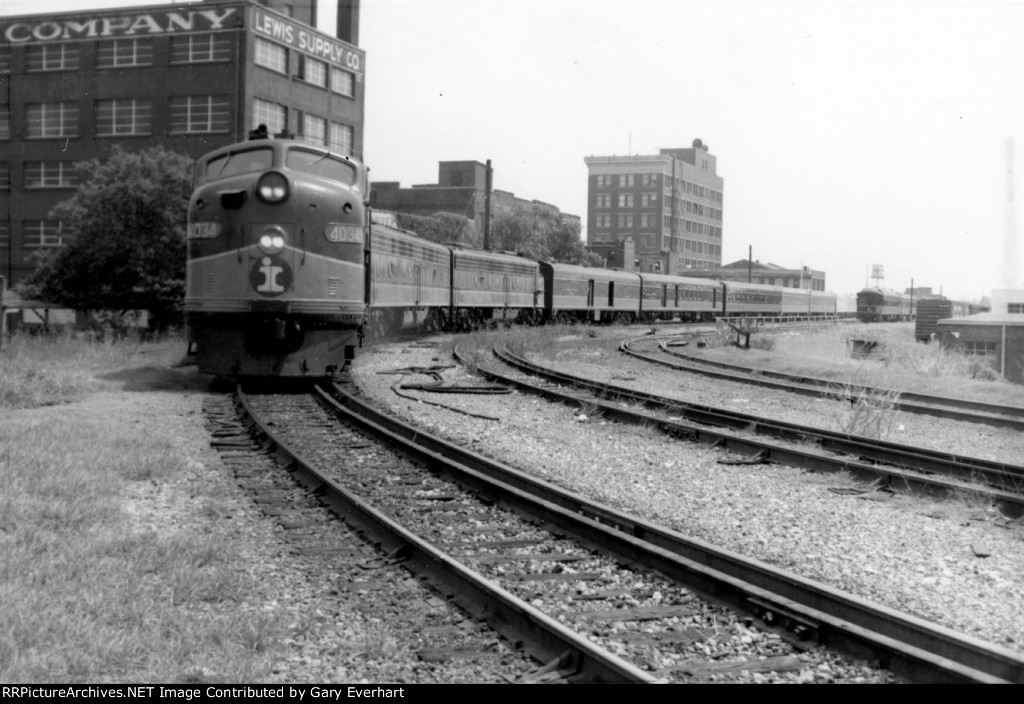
(234, 163)
(320, 164)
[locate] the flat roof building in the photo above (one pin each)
(996, 336)
(669, 203)
(187, 77)
(461, 188)
(771, 274)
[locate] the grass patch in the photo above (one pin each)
(86, 599)
(43, 370)
(92, 590)
(899, 362)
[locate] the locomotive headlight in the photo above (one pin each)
(272, 187)
(272, 240)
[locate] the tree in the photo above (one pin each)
(517, 231)
(125, 227)
(541, 235)
(439, 227)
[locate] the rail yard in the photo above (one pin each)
(942, 570)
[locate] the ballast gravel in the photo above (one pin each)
(956, 563)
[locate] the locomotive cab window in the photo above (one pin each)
(234, 163)
(321, 164)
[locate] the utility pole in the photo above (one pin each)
(750, 263)
(487, 207)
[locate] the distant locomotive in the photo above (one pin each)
(288, 271)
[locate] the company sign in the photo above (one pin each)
(142, 24)
(306, 40)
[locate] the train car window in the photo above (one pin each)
(234, 163)
(321, 164)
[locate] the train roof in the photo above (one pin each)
(883, 291)
(755, 287)
(674, 279)
(586, 272)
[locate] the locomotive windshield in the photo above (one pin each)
(321, 164)
(234, 163)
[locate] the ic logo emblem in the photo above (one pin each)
(270, 276)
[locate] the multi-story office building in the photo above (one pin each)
(669, 204)
(187, 77)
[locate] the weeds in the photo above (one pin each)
(868, 412)
(764, 342)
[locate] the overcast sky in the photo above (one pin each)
(847, 133)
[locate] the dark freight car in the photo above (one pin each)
(929, 312)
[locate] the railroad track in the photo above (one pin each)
(907, 401)
(897, 465)
(569, 576)
(438, 632)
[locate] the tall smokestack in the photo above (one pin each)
(1010, 274)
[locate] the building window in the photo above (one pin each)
(42, 233)
(5, 236)
(272, 115)
(199, 113)
(125, 52)
(604, 221)
(627, 180)
(50, 174)
(648, 200)
(340, 138)
(5, 58)
(5, 176)
(312, 71)
(625, 221)
(125, 116)
(52, 57)
(625, 200)
(649, 180)
(200, 48)
(5, 122)
(604, 200)
(314, 130)
(978, 348)
(342, 82)
(51, 120)
(1015, 307)
(271, 56)
(604, 181)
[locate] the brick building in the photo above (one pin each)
(187, 77)
(996, 336)
(461, 188)
(770, 274)
(669, 203)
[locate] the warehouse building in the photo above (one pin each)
(188, 77)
